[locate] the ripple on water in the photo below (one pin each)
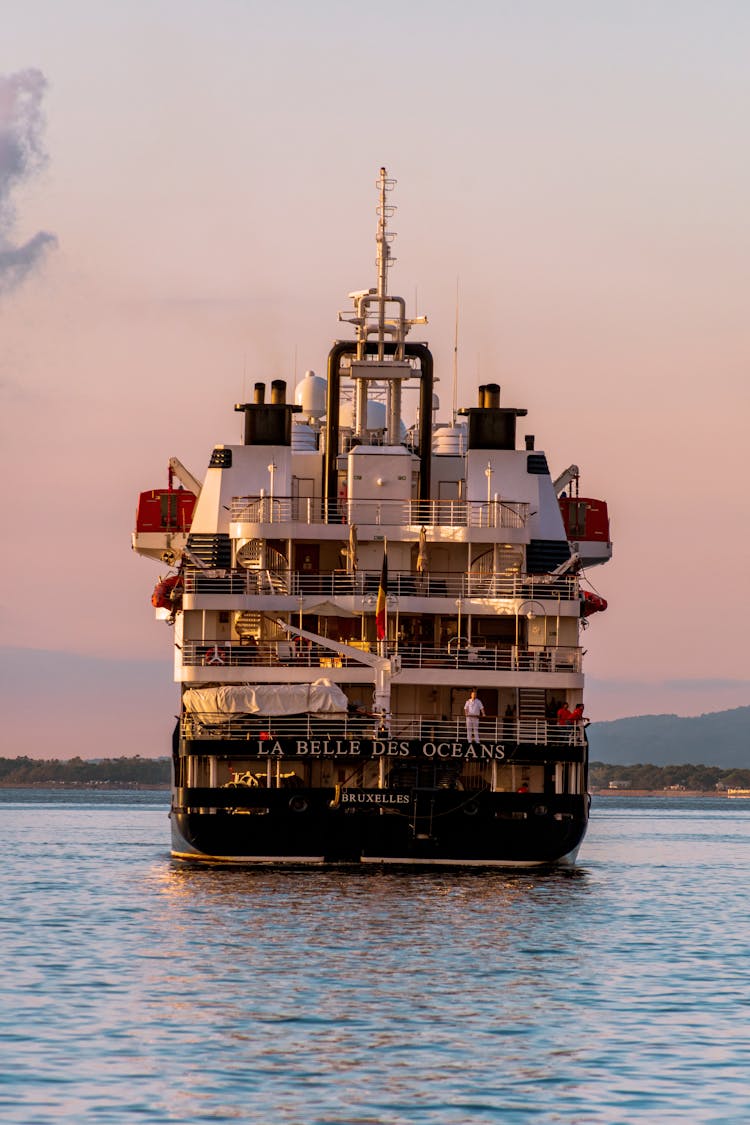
(134, 989)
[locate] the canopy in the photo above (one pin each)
(322, 696)
(327, 609)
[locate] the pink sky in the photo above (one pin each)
(582, 169)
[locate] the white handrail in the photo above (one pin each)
(402, 513)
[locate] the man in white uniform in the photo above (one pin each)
(473, 708)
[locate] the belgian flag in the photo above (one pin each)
(380, 605)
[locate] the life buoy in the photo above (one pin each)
(214, 656)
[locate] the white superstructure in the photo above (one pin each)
(398, 568)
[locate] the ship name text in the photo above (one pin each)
(378, 748)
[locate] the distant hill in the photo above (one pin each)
(721, 738)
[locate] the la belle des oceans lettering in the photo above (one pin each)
(386, 748)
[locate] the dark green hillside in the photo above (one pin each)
(721, 738)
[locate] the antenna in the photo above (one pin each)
(455, 364)
(384, 259)
(381, 315)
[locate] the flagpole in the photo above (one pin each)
(385, 564)
(381, 605)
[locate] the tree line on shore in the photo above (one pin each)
(644, 776)
(116, 773)
(154, 772)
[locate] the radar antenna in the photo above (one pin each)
(383, 240)
(379, 314)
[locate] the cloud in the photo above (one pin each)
(18, 261)
(22, 155)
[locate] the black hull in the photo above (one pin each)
(308, 826)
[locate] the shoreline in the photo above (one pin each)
(663, 793)
(123, 787)
(131, 786)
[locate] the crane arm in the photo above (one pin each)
(358, 654)
(570, 474)
(177, 468)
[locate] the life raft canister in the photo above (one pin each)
(167, 592)
(591, 603)
(214, 656)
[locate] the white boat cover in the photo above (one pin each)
(266, 699)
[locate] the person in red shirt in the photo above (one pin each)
(564, 716)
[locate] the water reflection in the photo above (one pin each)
(145, 990)
(328, 980)
(325, 950)
(367, 888)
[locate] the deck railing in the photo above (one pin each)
(400, 513)
(419, 728)
(262, 654)
(294, 654)
(401, 584)
(493, 658)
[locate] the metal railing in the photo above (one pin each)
(493, 658)
(418, 728)
(262, 654)
(289, 653)
(401, 584)
(399, 513)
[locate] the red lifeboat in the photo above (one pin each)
(585, 520)
(165, 510)
(587, 528)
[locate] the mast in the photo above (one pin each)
(379, 314)
(381, 360)
(383, 240)
(454, 406)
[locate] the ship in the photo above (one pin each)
(377, 619)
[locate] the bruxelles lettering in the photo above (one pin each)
(385, 748)
(372, 797)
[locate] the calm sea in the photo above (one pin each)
(136, 990)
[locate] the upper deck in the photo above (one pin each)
(451, 521)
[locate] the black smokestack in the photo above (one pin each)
(492, 396)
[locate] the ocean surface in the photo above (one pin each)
(134, 989)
